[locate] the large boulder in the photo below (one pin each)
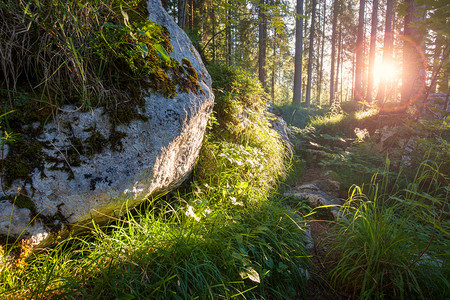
(92, 172)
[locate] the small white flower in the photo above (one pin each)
(190, 213)
(206, 212)
(361, 134)
(235, 202)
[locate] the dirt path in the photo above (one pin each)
(319, 286)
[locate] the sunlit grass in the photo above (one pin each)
(173, 248)
(297, 115)
(362, 114)
(328, 120)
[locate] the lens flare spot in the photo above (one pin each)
(386, 71)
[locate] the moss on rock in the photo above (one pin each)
(116, 61)
(24, 156)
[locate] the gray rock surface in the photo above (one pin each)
(319, 193)
(155, 155)
(281, 127)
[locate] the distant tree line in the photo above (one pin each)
(323, 52)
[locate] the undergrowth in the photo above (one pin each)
(297, 115)
(391, 239)
(353, 146)
(172, 250)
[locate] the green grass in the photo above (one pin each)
(345, 145)
(297, 115)
(393, 242)
(165, 252)
(344, 124)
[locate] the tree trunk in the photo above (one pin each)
(336, 82)
(333, 49)
(321, 52)
(373, 43)
(413, 78)
(387, 48)
(191, 15)
(358, 92)
(262, 42)
(311, 53)
(228, 37)
(342, 69)
(213, 21)
(297, 99)
(182, 13)
(353, 75)
(442, 81)
(274, 62)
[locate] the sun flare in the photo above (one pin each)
(386, 71)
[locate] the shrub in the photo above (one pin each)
(243, 157)
(350, 107)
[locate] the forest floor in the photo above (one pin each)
(318, 286)
(383, 177)
(320, 228)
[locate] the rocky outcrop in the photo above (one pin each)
(90, 170)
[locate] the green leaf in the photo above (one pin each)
(141, 32)
(144, 49)
(241, 185)
(252, 274)
(162, 53)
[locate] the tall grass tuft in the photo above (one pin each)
(391, 242)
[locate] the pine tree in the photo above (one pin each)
(311, 54)
(359, 53)
(262, 42)
(298, 53)
(373, 43)
(387, 48)
(333, 49)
